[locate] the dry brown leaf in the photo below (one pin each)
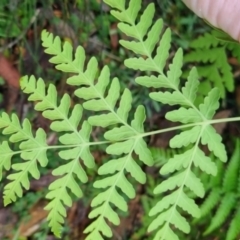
(114, 36)
(8, 72)
(37, 215)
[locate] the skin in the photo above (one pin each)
(223, 14)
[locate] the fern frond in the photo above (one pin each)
(143, 44)
(162, 155)
(209, 50)
(124, 136)
(205, 41)
(235, 50)
(232, 172)
(118, 168)
(216, 181)
(76, 142)
(204, 134)
(234, 230)
(32, 149)
(210, 202)
(94, 94)
(227, 204)
(117, 107)
(6, 154)
(223, 196)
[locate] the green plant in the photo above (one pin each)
(15, 17)
(210, 52)
(222, 197)
(124, 138)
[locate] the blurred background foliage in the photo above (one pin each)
(88, 23)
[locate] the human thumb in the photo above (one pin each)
(223, 14)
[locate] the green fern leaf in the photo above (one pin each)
(13, 127)
(170, 184)
(63, 120)
(234, 231)
(188, 113)
(222, 197)
(186, 137)
(32, 149)
(120, 133)
(180, 161)
(185, 178)
(105, 229)
(155, 64)
(100, 87)
(210, 201)
(98, 100)
(184, 115)
(117, 180)
(142, 27)
(227, 204)
(130, 14)
(58, 189)
(214, 142)
(191, 86)
(175, 72)
(191, 181)
(162, 205)
(20, 178)
(232, 172)
(111, 106)
(108, 102)
(205, 41)
(174, 98)
(234, 48)
(211, 104)
(176, 219)
(204, 163)
(208, 49)
(177, 162)
(5, 155)
(152, 81)
(163, 51)
(167, 233)
(150, 42)
(117, 114)
(143, 152)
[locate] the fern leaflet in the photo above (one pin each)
(208, 49)
(222, 198)
(32, 150)
(76, 142)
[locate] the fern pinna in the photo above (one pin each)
(124, 137)
(222, 196)
(210, 52)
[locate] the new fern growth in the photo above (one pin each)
(124, 136)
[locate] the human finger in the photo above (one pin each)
(223, 14)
